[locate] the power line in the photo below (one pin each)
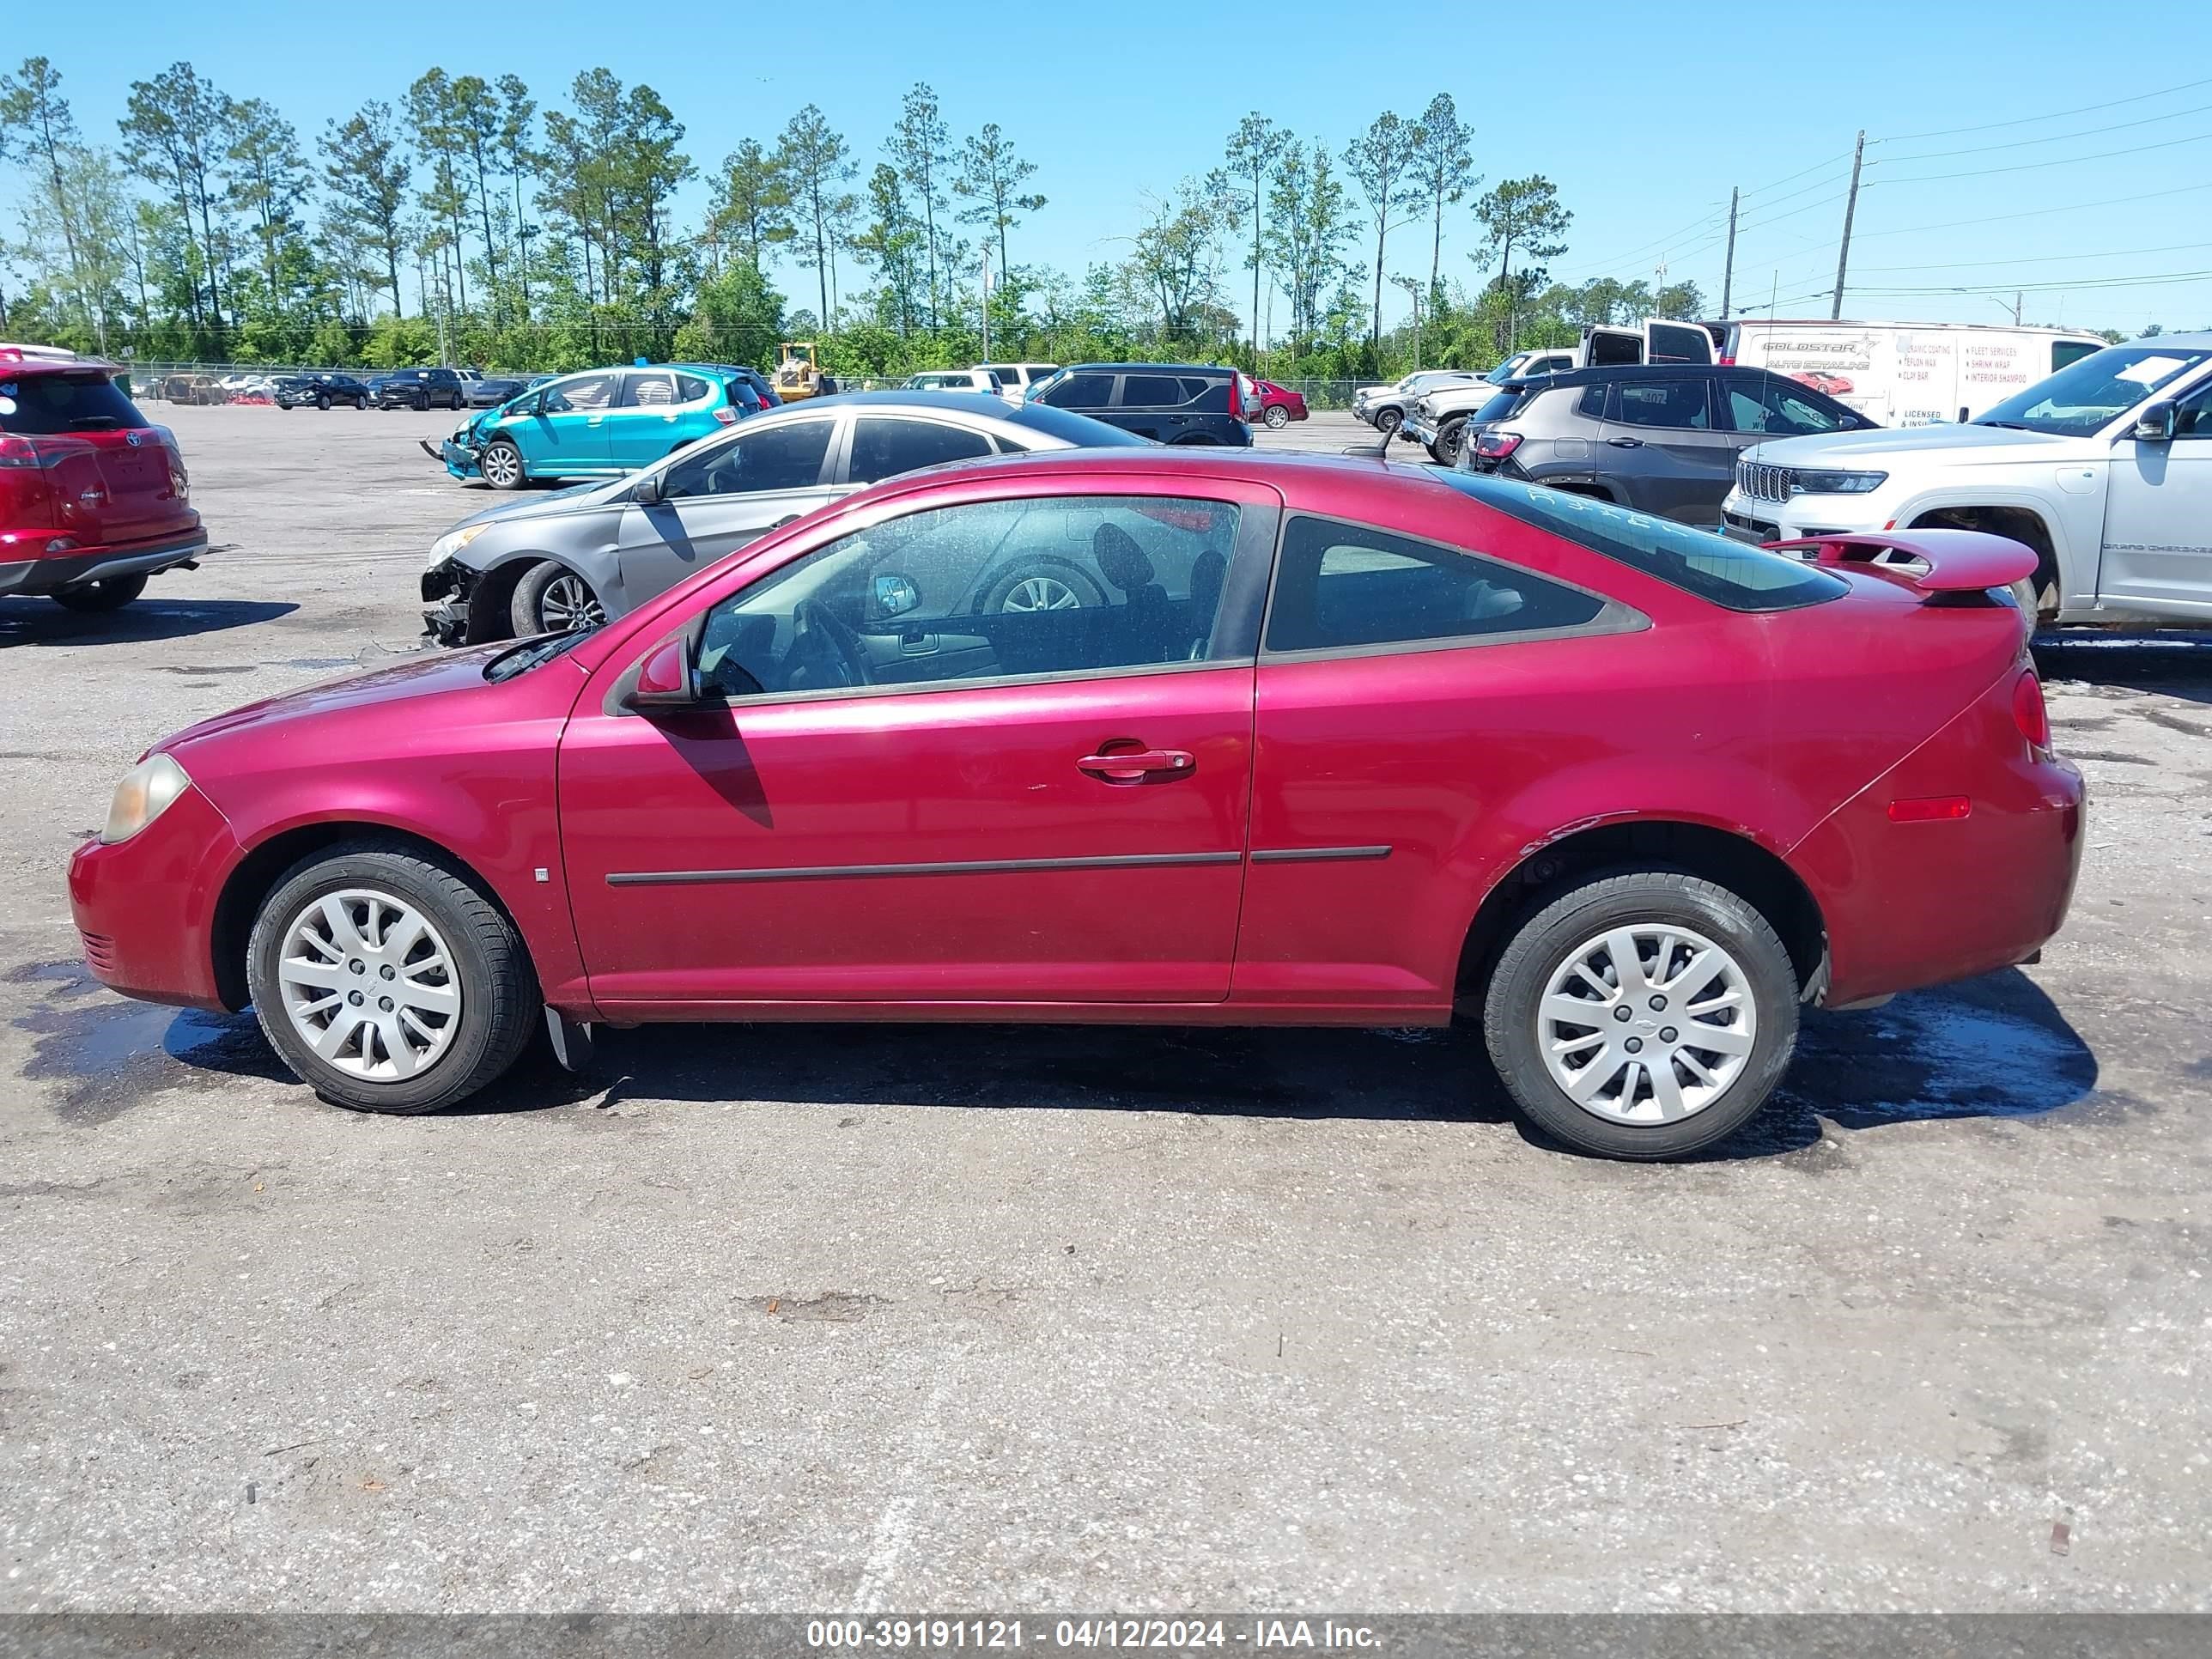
(2063, 161)
(2056, 138)
(1790, 178)
(2053, 115)
(2037, 213)
(2047, 260)
(2061, 285)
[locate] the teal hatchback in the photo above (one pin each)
(597, 424)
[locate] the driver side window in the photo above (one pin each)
(2192, 416)
(778, 457)
(983, 590)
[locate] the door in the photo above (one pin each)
(642, 426)
(1662, 451)
(1676, 342)
(567, 433)
(899, 797)
(718, 495)
(2158, 516)
(1149, 406)
(1408, 694)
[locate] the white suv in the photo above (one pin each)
(2105, 469)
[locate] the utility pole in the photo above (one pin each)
(2015, 309)
(1412, 287)
(986, 299)
(1728, 271)
(1851, 207)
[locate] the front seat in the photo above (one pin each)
(1207, 572)
(1129, 568)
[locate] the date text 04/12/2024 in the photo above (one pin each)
(1162, 1634)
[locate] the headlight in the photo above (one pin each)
(454, 541)
(1839, 484)
(144, 796)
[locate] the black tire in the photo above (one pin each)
(508, 465)
(1019, 576)
(1277, 417)
(1388, 421)
(1444, 450)
(1548, 936)
(499, 995)
(110, 593)
(323, 401)
(360, 406)
(422, 401)
(527, 610)
(459, 403)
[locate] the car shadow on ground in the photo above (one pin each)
(2175, 661)
(41, 622)
(1992, 1048)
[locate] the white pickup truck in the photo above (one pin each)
(2104, 468)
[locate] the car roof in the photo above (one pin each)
(1149, 368)
(12, 366)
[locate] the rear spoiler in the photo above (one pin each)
(1943, 561)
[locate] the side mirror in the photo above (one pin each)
(2154, 423)
(895, 595)
(669, 678)
(646, 492)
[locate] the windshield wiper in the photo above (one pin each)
(2015, 426)
(530, 654)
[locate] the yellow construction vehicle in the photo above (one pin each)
(796, 374)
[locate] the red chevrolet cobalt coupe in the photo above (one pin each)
(1283, 741)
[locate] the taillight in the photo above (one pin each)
(725, 415)
(1728, 360)
(1236, 397)
(18, 452)
(1496, 446)
(2029, 712)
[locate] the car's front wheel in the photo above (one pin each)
(1277, 417)
(1387, 423)
(388, 982)
(1644, 1014)
(109, 594)
(502, 465)
(551, 599)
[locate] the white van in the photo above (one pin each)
(1894, 374)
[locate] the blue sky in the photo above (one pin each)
(1645, 119)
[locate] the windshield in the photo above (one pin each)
(1730, 574)
(2084, 397)
(1070, 428)
(32, 404)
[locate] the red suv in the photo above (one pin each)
(1319, 742)
(92, 494)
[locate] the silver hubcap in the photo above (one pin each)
(1278, 417)
(1042, 593)
(498, 466)
(568, 604)
(369, 985)
(1646, 1024)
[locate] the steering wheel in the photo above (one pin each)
(812, 617)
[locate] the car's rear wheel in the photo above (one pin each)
(502, 465)
(551, 599)
(387, 982)
(1277, 416)
(109, 594)
(1643, 1015)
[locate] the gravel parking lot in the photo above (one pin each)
(934, 1317)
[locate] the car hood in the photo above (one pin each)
(423, 676)
(1964, 444)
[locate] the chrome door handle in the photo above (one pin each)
(1625, 443)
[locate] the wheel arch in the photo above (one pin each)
(2024, 522)
(1756, 874)
(255, 876)
(493, 595)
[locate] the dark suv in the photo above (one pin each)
(1172, 402)
(1661, 439)
(420, 388)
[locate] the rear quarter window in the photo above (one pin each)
(1728, 574)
